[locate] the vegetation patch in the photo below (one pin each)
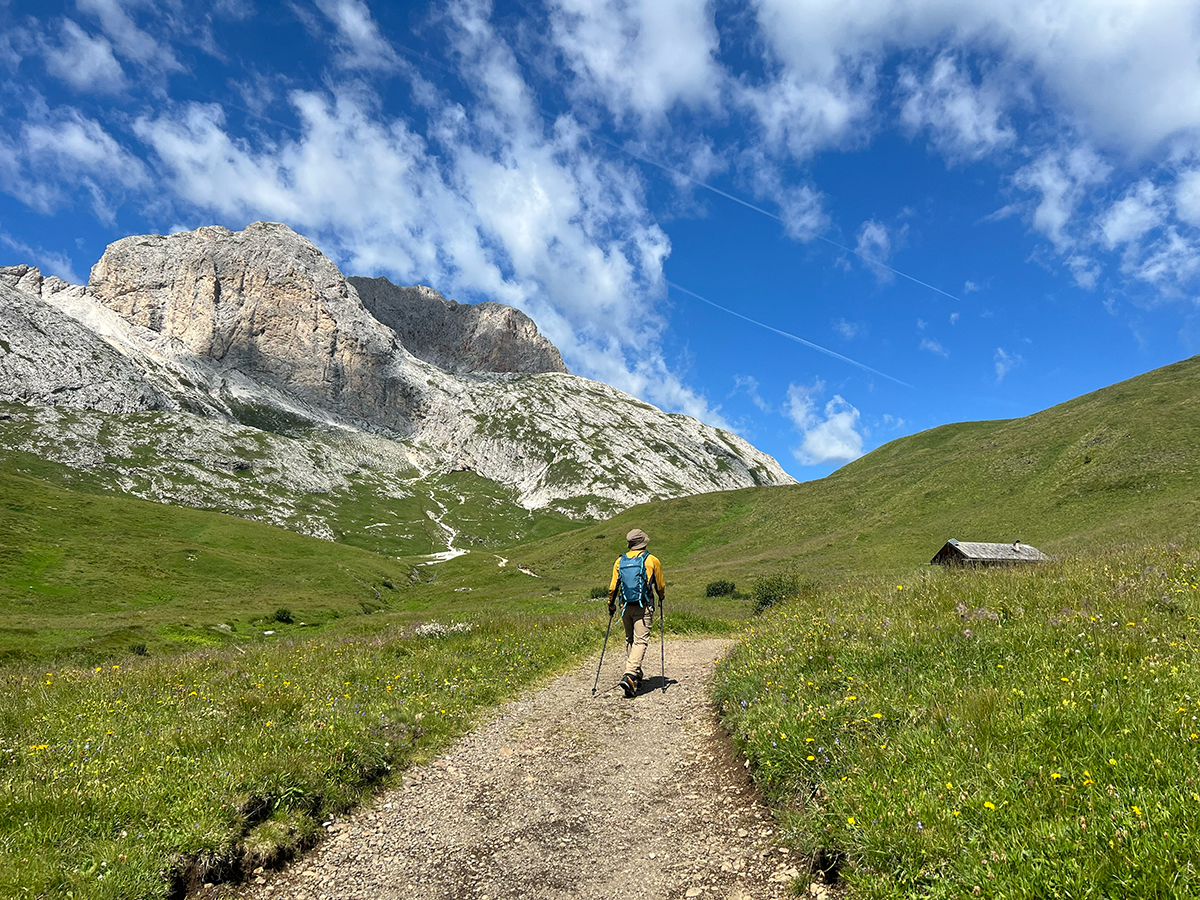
(1003, 733)
(147, 778)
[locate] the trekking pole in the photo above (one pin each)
(602, 649)
(662, 641)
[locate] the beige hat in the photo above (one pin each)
(637, 539)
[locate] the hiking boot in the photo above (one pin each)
(629, 685)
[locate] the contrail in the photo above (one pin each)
(788, 335)
(771, 215)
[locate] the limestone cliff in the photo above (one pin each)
(258, 328)
(459, 337)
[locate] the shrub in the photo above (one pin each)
(720, 588)
(283, 614)
(599, 593)
(771, 589)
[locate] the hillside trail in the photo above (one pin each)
(562, 795)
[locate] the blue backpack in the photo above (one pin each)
(632, 584)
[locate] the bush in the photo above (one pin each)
(283, 614)
(720, 589)
(771, 589)
(599, 593)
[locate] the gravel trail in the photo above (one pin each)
(563, 795)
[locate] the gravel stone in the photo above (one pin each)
(563, 795)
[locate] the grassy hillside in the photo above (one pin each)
(1121, 464)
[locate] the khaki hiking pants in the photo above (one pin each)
(639, 621)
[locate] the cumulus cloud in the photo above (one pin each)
(1187, 196)
(488, 203)
(828, 434)
(359, 42)
(847, 330)
(63, 151)
(1005, 362)
(1129, 219)
(130, 41)
(51, 262)
(874, 244)
(929, 345)
(964, 120)
(84, 62)
(748, 385)
(640, 58)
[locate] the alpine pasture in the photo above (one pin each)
(1015, 733)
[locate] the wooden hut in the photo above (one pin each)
(980, 553)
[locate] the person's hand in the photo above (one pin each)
(612, 607)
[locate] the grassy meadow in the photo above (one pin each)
(1114, 466)
(1019, 733)
(185, 695)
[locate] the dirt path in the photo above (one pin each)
(565, 796)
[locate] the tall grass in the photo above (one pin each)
(1016, 734)
(146, 778)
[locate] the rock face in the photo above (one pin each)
(257, 328)
(49, 359)
(262, 301)
(457, 337)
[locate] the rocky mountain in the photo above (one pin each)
(459, 337)
(242, 371)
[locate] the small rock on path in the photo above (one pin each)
(563, 795)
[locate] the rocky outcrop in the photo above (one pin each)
(258, 328)
(457, 337)
(263, 301)
(49, 359)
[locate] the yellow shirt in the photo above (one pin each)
(654, 574)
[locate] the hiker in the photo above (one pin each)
(636, 576)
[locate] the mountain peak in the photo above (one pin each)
(458, 337)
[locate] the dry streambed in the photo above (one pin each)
(565, 795)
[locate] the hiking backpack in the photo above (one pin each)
(632, 584)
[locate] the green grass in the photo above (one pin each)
(1120, 464)
(153, 776)
(153, 733)
(162, 724)
(1007, 733)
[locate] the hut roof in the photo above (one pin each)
(982, 551)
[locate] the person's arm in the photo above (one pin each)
(656, 579)
(612, 587)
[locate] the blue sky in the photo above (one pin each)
(895, 213)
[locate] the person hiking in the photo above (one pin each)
(636, 576)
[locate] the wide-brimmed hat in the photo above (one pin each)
(637, 539)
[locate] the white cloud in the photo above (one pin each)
(828, 435)
(50, 262)
(1126, 74)
(640, 57)
(970, 287)
(1005, 362)
(1129, 219)
(874, 245)
(1187, 197)
(489, 203)
(929, 345)
(799, 117)
(846, 329)
(748, 385)
(360, 44)
(964, 119)
(130, 41)
(66, 150)
(1062, 178)
(84, 62)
